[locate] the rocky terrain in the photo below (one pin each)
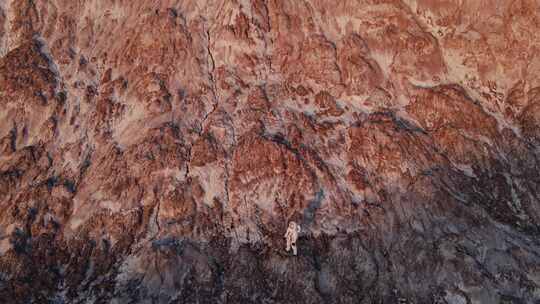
(154, 151)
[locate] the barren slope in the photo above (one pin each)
(154, 151)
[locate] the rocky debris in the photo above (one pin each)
(154, 152)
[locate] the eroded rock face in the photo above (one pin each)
(154, 151)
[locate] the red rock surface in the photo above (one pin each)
(154, 151)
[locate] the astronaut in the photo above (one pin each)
(292, 235)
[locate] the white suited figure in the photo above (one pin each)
(291, 236)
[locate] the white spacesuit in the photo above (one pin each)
(291, 236)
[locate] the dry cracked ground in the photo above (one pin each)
(154, 151)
